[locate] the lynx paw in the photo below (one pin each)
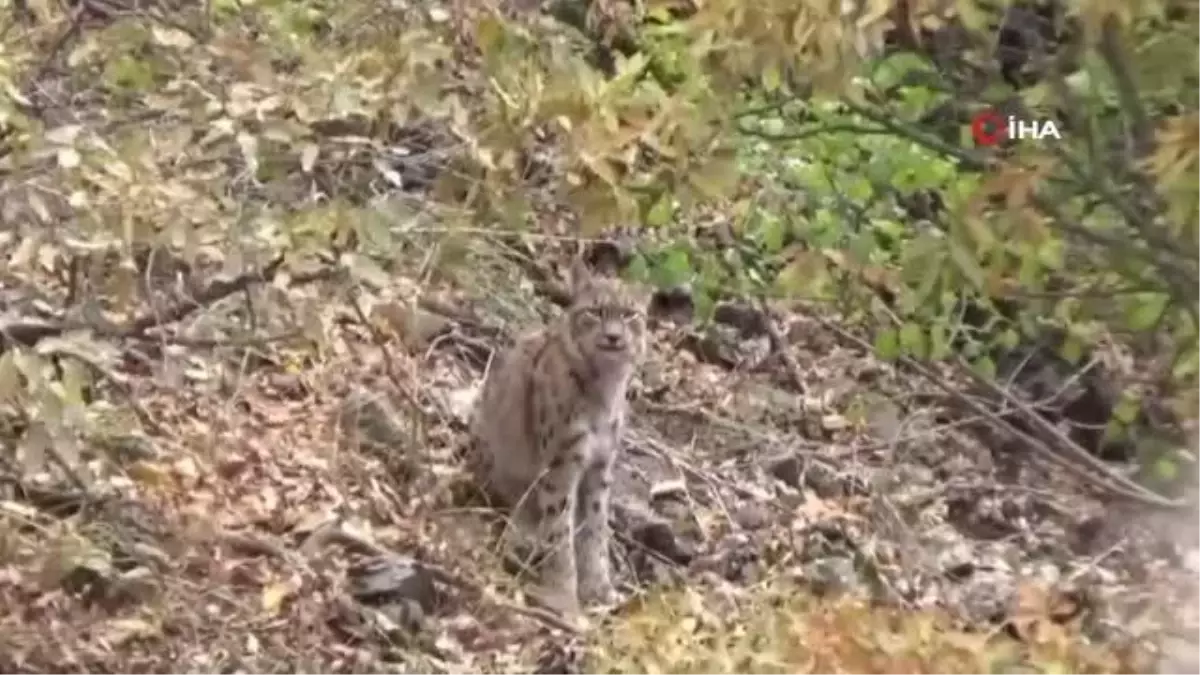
(599, 593)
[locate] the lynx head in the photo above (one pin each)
(606, 321)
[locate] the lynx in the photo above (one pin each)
(546, 434)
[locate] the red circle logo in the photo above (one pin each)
(988, 128)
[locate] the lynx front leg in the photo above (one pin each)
(556, 504)
(592, 534)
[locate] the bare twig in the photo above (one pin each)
(213, 292)
(28, 331)
(1095, 472)
(781, 347)
(1122, 485)
(255, 543)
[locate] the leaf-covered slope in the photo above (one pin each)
(256, 255)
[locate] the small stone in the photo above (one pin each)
(788, 469)
(751, 516)
(394, 579)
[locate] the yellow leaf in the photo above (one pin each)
(274, 595)
(873, 12)
(120, 631)
(149, 473)
(1171, 173)
(597, 208)
(716, 178)
(599, 167)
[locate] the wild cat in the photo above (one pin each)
(547, 430)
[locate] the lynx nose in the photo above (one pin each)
(612, 339)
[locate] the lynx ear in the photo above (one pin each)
(581, 278)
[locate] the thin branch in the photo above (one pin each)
(813, 132)
(1112, 50)
(215, 291)
(970, 161)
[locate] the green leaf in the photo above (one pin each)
(660, 214)
(931, 275)
(887, 344)
(894, 69)
(1052, 254)
(1187, 363)
(967, 264)
(771, 231)
(917, 100)
(1115, 431)
(1166, 469)
(1071, 349)
(939, 342)
(1146, 314)
(1127, 409)
(490, 36)
(638, 270)
(860, 190)
(629, 71)
(225, 8)
(129, 72)
(1008, 338)
(985, 367)
(912, 339)
(675, 268)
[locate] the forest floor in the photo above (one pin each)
(311, 514)
(293, 500)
